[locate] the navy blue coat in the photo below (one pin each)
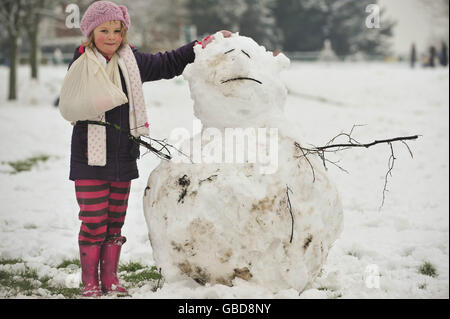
(121, 153)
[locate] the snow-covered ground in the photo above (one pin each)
(380, 251)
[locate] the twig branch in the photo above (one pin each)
(164, 145)
(290, 211)
(389, 173)
(397, 139)
(407, 146)
(307, 159)
(159, 279)
(353, 143)
(163, 152)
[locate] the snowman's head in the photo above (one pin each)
(235, 82)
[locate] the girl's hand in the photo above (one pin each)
(210, 38)
(226, 33)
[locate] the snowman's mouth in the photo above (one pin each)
(241, 79)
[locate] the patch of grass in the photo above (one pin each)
(10, 261)
(26, 281)
(423, 286)
(29, 273)
(69, 262)
(27, 164)
(70, 293)
(354, 254)
(23, 282)
(428, 269)
(30, 226)
(142, 276)
(138, 275)
(130, 267)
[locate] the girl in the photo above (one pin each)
(103, 160)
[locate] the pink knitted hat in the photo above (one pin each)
(100, 12)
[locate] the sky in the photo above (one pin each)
(415, 24)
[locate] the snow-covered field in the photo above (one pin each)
(379, 253)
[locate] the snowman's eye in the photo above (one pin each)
(229, 51)
(246, 54)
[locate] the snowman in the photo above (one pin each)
(247, 204)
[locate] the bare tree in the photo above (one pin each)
(35, 11)
(19, 16)
(12, 16)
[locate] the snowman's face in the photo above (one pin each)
(237, 73)
(236, 76)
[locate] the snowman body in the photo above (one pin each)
(214, 220)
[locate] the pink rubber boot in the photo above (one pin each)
(109, 261)
(89, 258)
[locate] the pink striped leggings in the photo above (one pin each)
(103, 206)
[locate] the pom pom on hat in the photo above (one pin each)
(125, 15)
(100, 12)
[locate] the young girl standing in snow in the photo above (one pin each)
(103, 160)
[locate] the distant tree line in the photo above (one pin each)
(296, 25)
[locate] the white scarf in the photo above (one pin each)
(125, 59)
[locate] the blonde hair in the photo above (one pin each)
(90, 43)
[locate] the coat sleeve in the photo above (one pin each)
(166, 65)
(78, 52)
